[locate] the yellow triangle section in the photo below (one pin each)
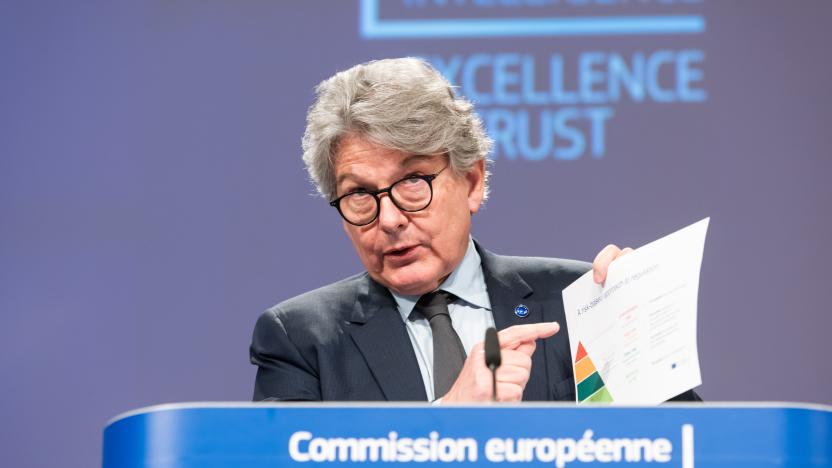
(590, 385)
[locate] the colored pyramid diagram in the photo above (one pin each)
(591, 386)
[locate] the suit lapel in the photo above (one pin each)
(380, 334)
(507, 290)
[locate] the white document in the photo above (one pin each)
(633, 339)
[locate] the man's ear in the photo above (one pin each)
(476, 185)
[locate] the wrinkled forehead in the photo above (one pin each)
(362, 159)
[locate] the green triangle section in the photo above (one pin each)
(601, 396)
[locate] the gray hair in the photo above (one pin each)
(403, 104)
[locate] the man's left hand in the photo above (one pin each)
(602, 261)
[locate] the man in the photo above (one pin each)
(403, 161)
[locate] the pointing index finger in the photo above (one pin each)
(514, 336)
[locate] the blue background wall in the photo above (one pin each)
(153, 201)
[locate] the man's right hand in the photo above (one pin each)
(517, 344)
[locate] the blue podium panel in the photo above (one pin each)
(304, 435)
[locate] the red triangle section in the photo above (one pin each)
(581, 352)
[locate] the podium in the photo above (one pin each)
(273, 435)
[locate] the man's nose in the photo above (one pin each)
(390, 217)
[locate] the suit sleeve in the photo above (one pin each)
(283, 373)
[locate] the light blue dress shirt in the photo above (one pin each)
(470, 314)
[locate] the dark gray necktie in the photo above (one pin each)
(448, 352)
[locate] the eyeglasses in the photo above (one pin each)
(413, 193)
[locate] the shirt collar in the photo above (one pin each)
(466, 282)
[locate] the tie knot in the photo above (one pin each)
(433, 304)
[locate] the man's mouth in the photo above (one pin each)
(400, 252)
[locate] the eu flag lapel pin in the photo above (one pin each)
(521, 311)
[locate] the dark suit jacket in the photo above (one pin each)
(347, 342)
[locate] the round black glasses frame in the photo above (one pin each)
(389, 191)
